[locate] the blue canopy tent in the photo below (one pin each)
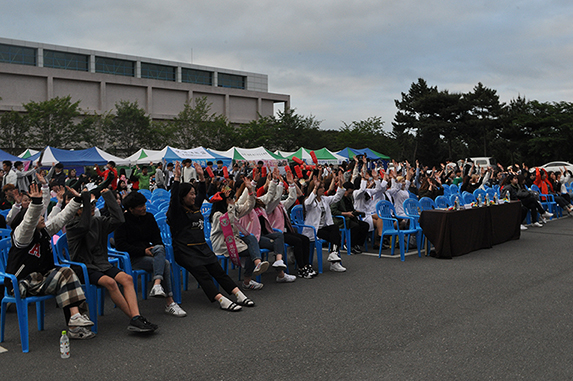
(85, 157)
(6, 156)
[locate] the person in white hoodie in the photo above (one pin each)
(318, 215)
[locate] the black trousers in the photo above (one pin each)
(301, 246)
(330, 233)
(359, 233)
(205, 274)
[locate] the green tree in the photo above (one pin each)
(128, 129)
(13, 132)
(484, 120)
(51, 122)
(368, 133)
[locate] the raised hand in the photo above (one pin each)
(199, 171)
(177, 171)
(35, 191)
(74, 192)
(41, 178)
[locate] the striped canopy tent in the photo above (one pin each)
(198, 155)
(28, 153)
(253, 155)
(84, 157)
(370, 154)
(323, 156)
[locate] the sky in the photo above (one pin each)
(340, 61)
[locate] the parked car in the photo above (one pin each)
(556, 166)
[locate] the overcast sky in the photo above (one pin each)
(340, 61)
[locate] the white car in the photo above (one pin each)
(556, 166)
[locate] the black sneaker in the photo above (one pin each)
(303, 273)
(140, 324)
(154, 326)
(311, 271)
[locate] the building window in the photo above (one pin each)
(17, 55)
(68, 61)
(114, 66)
(200, 77)
(153, 71)
(232, 81)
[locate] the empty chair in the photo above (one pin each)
(481, 194)
(427, 203)
(442, 202)
(391, 227)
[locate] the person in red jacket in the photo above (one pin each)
(545, 187)
(110, 169)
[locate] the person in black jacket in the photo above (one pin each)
(139, 236)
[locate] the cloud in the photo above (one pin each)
(339, 61)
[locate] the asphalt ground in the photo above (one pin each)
(499, 314)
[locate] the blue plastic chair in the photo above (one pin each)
(21, 303)
(453, 197)
(94, 294)
(345, 235)
(427, 203)
(176, 270)
(146, 193)
(469, 198)
(547, 200)
(446, 188)
(454, 189)
(159, 193)
(5, 212)
(481, 193)
(414, 209)
(297, 221)
(6, 233)
(387, 213)
(442, 202)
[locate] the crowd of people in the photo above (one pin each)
(248, 215)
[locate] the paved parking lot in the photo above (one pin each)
(502, 313)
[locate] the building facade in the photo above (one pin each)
(37, 72)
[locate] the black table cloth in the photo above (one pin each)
(458, 232)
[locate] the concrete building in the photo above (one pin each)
(37, 72)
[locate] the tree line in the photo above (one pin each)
(430, 125)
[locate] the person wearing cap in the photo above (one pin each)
(140, 237)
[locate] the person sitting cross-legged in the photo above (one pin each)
(31, 260)
(139, 236)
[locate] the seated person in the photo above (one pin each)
(140, 236)
(319, 216)
(32, 261)
(87, 240)
(513, 185)
(257, 223)
(246, 244)
(345, 207)
(189, 245)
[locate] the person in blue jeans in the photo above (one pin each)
(140, 237)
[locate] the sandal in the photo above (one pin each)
(233, 307)
(246, 302)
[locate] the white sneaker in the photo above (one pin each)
(80, 321)
(523, 227)
(175, 310)
(336, 266)
(537, 224)
(261, 268)
(543, 220)
(252, 285)
(286, 279)
(279, 265)
(333, 257)
(547, 215)
(157, 291)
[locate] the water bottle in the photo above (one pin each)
(64, 345)
(479, 200)
(457, 203)
(495, 200)
(486, 199)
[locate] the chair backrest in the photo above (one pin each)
(5, 212)
(442, 202)
(206, 209)
(61, 249)
(5, 245)
(412, 208)
(146, 193)
(297, 215)
(413, 196)
(469, 198)
(446, 188)
(427, 203)
(159, 193)
(207, 231)
(480, 192)
(454, 189)
(491, 192)
(5, 233)
(453, 197)
(386, 212)
(164, 230)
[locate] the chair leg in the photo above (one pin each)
(401, 238)
(22, 310)
(40, 313)
(3, 320)
(318, 246)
